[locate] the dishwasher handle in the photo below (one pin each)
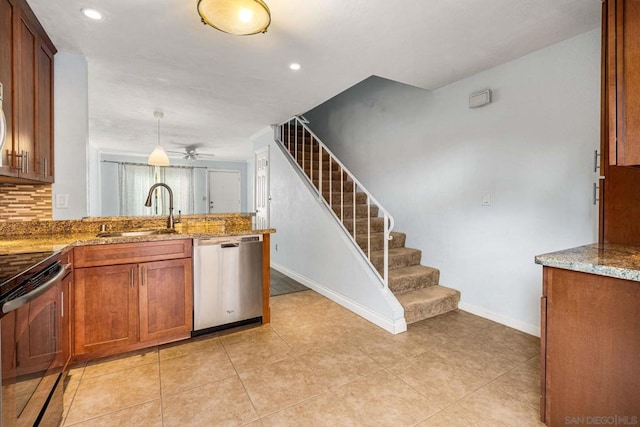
(230, 245)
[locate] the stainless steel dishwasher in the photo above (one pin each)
(227, 282)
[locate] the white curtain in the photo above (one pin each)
(181, 182)
(135, 181)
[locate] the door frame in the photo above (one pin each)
(258, 152)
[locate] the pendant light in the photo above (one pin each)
(238, 17)
(158, 156)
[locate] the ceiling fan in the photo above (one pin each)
(191, 154)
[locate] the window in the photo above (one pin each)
(136, 179)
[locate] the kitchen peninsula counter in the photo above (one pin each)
(43, 236)
(618, 261)
(590, 333)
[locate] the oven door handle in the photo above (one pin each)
(27, 298)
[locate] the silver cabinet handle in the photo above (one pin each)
(27, 298)
(144, 273)
(131, 278)
(595, 193)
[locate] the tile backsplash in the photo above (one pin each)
(25, 202)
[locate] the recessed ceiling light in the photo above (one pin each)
(295, 66)
(93, 14)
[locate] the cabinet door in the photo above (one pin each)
(105, 308)
(6, 78)
(623, 81)
(166, 300)
(25, 92)
(43, 156)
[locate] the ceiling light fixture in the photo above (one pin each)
(238, 17)
(94, 14)
(158, 156)
(295, 66)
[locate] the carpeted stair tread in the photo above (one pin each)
(398, 258)
(428, 302)
(377, 241)
(377, 225)
(413, 277)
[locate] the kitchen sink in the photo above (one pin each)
(135, 233)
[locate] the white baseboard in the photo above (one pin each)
(504, 320)
(393, 326)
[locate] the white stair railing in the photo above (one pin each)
(294, 136)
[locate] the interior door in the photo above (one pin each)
(224, 191)
(262, 188)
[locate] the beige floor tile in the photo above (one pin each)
(455, 324)
(310, 337)
(147, 414)
(120, 362)
(471, 354)
(195, 369)
(255, 348)
(184, 348)
(340, 364)
(71, 384)
(281, 384)
(219, 403)
(388, 349)
(439, 380)
(522, 383)
(515, 344)
(111, 392)
(486, 409)
(379, 399)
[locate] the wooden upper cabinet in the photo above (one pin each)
(623, 82)
(26, 71)
(7, 12)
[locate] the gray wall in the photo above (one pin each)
(71, 127)
(429, 159)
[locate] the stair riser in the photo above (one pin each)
(416, 314)
(407, 284)
(404, 260)
(361, 198)
(309, 155)
(315, 166)
(361, 211)
(347, 186)
(377, 225)
(377, 241)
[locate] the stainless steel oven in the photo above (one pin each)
(31, 339)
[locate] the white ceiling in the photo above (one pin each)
(217, 90)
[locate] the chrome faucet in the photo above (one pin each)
(170, 221)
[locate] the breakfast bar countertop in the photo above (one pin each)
(56, 235)
(622, 262)
(58, 242)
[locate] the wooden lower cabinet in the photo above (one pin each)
(590, 349)
(165, 299)
(118, 308)
(105, 308)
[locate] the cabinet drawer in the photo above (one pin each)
(129, 253)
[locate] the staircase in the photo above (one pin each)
(415, 286)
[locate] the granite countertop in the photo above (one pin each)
(622, 262)
(58, 242)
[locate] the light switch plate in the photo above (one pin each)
(62, 201)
